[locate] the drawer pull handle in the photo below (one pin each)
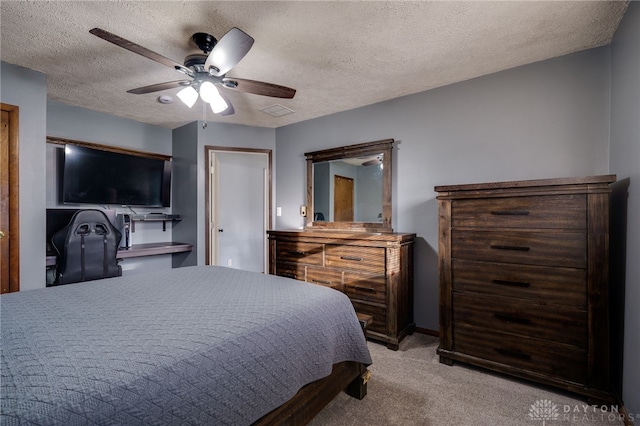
(321, 281)
(289, 275)
(369, 289)
(357, 259)
(509, 318)
(511, 283)
(511, 213)
(513, 354)
(297, 253)
(516, 248)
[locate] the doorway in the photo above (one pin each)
(9, 225)
(238, 207)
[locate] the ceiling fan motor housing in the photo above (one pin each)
(205, 42)
(195, 60)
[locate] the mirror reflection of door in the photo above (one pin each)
(342, 199)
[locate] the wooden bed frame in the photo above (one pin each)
(349, 376)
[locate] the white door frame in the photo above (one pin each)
(211, 238)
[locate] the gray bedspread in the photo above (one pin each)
(200, 345)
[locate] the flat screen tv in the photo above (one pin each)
(94, 176)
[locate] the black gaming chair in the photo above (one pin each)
(87, 248)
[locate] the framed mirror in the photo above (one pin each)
(349, 188)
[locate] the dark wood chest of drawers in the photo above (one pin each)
(374, 269)
(524, 280)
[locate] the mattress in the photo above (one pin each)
(195, 345)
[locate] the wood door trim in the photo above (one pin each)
(13, 207)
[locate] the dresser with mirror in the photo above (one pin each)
(348, 242)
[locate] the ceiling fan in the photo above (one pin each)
(206, 71)
(373, 161)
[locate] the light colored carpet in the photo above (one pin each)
(411, 387)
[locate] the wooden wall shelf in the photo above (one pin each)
(141, 250)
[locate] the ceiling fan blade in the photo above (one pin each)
(135, 48)
(230, 110)
(158, 87)
(231, 48)
(258, 88)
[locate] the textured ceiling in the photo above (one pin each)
(339, 55)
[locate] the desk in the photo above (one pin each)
(139, 250)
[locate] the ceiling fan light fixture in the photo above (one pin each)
(218, 105)
(188, 95)
(209, 93)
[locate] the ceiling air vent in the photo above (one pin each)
(277, 110)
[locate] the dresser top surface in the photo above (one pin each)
(548, 184)
(344, 235)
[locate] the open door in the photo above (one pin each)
(238, 207)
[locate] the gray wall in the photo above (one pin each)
(185, 187)
(625, 162)
(548, 119)
(189, 144)
(28, 90)
(71, 122)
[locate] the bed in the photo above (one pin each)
(196, 345)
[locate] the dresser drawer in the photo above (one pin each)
(539, 356)
(291, 270)
(379, 314)
(306, 253)
(561, 325)
(325, 276)
(544, 211)
(566, 249)
(539, 284)
(362, 286)
(362, 265)
(365, 259)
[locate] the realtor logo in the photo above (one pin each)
(544, 410)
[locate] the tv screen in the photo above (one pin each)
(93, 176)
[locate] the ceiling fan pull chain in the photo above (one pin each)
(204, 115)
